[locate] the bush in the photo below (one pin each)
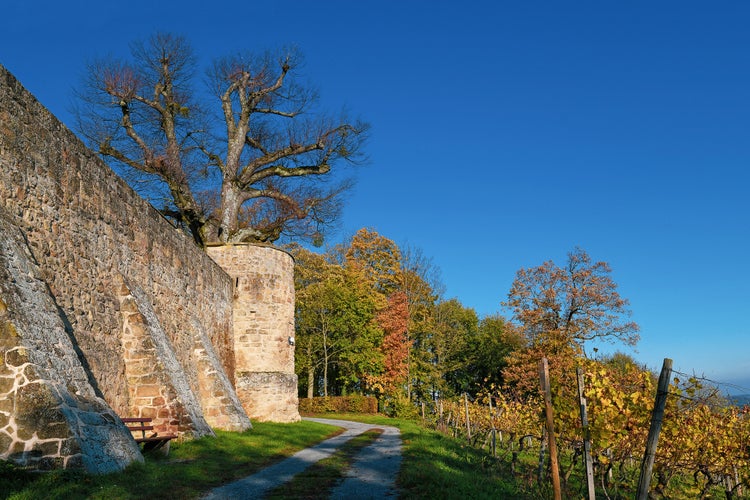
(339, 404)
(400, 406)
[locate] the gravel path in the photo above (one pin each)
(372, 475)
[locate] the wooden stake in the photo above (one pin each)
(549, 412)
(468, 423)
(657, 417)
(586, 436)
(492, 424)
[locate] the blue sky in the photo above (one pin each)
(504, 134)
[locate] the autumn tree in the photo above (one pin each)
(337, 336)
(393, 319)
(255, 169)
(560, 309)
(378, 259)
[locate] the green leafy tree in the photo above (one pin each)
(336, 332)
(420, 282)
(497, 339)
(455, 334)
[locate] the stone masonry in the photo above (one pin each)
(148, 323)
(263, 279)
(50, 415)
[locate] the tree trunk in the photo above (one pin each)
(325, 366)
(231, 200)
(310, 372)
(408, 371)
(310, 382)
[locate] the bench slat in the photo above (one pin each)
(141, 428)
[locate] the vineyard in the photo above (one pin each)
(703, 449)
(369, 322)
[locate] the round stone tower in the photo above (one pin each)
(263, 317)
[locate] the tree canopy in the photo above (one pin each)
(578, 302)
(371, 319)
(249, 158)
(559, 310)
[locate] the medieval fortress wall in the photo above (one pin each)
(106, 309)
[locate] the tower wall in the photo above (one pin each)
(263, 324)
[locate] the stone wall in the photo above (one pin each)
(148, 313)
(263, 279)
(50, 415)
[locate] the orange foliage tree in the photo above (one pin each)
(393, 319)
(559, 309)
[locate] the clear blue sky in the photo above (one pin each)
(504, 134)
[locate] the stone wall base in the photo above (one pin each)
(269, 396)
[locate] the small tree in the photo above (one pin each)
(248, 172)
(577, 303)
(559, 309)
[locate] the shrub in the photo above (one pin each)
(400, 406)
(339, 404)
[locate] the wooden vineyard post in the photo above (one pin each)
(441, 426)
(586, 436)
(493, 443)
(657, 417)
(549, 413)
(468, 422)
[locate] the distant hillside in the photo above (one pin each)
(740, 399)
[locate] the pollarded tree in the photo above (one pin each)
(255, 176)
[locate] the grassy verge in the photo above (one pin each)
(191, 469)
(318, 480)
(433, 466)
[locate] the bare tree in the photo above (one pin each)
(255, 170)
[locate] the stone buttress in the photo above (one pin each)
(50, 414)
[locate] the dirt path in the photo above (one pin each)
(372, 475)
(375, 468)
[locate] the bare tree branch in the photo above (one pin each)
(242, 180)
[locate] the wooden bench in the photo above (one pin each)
(138, 426)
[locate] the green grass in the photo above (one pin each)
(191, 469)
(433, 466)
(437, 466)
(319, 479)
